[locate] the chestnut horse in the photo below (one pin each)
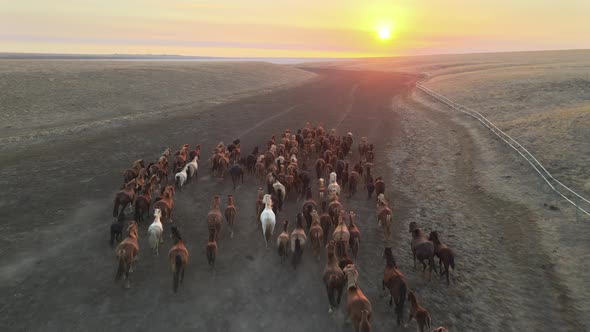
(326, 222)
(355, 236)
(123, 198)
(230, 215)
(283, 242)
(132, 172)
(214, 218)
(166, 203)
(211, 248)
(355, 299)
(418, 313)
(445, 254)
(127, 253)
(259, 204)
(178, 256)
(396, 283)
(333, 277)
(341, 232)
(316, 233)
(141, 204)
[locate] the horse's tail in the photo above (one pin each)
(297, 253)
(177, 181)
(116, 207)
(399, 308)
(176, 275)
(451, 260)
(153, 239)
(267, 232)
(211, 255)
(122, 266)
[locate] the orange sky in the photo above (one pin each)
(279, 28)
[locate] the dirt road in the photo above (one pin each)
(57, 268)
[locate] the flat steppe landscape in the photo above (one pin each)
(70, 129)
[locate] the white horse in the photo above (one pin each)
(333, 187)
(192, 168)
(267, 219)
(181, 177)
(155, 232)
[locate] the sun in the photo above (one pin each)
(384, 33)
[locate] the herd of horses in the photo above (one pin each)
(287, 167)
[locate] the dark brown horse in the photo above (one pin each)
(353, 181)
(132, 172)
(445, 254)
(141, 204)
(127, 253)
(230, 215)
(333, 277)
(308, 206)
(396, 283)
(178, 256)
(422, 249)
(259, 205)
(379, 186)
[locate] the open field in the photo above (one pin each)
(521, 266)
(542, 99)
(45, 99)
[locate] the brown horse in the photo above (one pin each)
(355, 299)
(124, 198)
(166, 203)
(316, 234)
(141, 204)
(341, 232)
(230, 215)
(355, 236)
(365, 325)
(445, 254)
(214, 218)
(379, 186)
(308, 206)
(298, 239)
(420, 314)
(325, 222)
(283, 242)
(132, 172)
(211, 248)
(353, 181)
(333, 277)
(334, 209)
(178, 256)
(422, 249)
(341, 252)
(127, 253)
(259, 205)
(396, 283)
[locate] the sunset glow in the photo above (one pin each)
(330, 28)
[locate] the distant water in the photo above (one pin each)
(125, 57)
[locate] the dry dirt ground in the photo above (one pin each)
(515, 268)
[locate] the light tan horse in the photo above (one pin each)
(127, 253)
(341, 234)
(355, 298)
(384, 217)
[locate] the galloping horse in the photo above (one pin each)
(418, 313)
(333, 277)
(445, 254)
(141, 204)
(308, 206)
(384, 217)
(316, 233)
(166, 203)
(259, 204)
(127, 253)
(267, 219)
(355, 299)
(132, 172)
(214, 218)
(396, 283)
(211, 248)
(155, 232)
(283, 241)
(333, 187)
(178, 256)
(298, 239)
(355, 235)
(230, 215)
(422, 249)
(124, 198)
